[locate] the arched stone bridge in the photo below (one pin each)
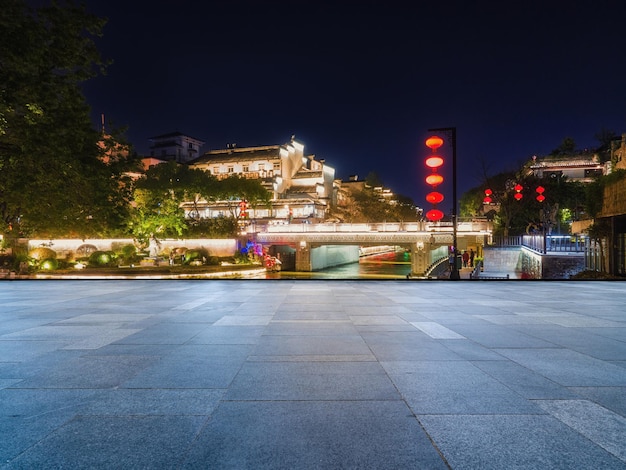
(426, 241)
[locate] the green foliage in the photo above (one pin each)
(594, 192)
(42, 253)
(567, 147)
(236, 188)
(197, 255)
(49, 264)
(103, 259)
(52, 179)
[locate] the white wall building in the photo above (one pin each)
(301, 186)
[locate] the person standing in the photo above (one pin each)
(472, 254)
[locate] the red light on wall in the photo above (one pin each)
(518, 196)
(434, 214)
(434, 180)
(434, 197)
(434, 142)
(541, 198)
(434, 162)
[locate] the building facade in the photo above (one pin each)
(175, 146)
(301, 187)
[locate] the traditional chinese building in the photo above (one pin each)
(301, 186)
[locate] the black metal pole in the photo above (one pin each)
(451, 131)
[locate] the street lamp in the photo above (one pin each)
(451, 132)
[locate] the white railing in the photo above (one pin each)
(472, 226)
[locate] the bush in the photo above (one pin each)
(49, 264)
(128, 254)
(42, 253)
(102, 259)
(196, 255)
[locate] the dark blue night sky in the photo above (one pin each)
(359, 83)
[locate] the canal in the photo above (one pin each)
(393, 265)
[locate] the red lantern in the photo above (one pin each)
(487, 200)
(540, 189)
(434, 215)
(434, 197)
(541, 198)
(434, 142)
(488, 192)
(518, 187)
(434, 162)
(518, 196)
(434, 180)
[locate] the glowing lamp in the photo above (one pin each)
(434, 142)
(487, 200)
(434, 197)
(434, 180)
(518, 196)
(434, 162)
(518, 187)
(434, 215)
(488, 192)
(541, 198)
(540, 189)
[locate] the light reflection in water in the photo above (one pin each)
(386, 266)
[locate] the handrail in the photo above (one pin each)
(544, 243)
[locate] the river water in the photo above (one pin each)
(394, 265)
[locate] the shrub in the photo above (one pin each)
(196, 255)
(102, 259)
(42, 253)
(49, 264)
(128, 254)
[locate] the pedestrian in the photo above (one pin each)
(472, 254)
(466, 257)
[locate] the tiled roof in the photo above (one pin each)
(173, 134)
(307, 174)
(237, 155)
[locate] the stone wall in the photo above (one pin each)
(614, 201)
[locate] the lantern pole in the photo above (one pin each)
(451, 131)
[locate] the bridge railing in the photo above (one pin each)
(462, 226)
(544, 244)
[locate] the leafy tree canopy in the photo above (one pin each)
(53, 177)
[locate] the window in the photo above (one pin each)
(261, 166)
(277, 166)
(190, 145)
(216, 170)
(245, 169)
(231, 169)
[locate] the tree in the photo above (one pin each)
(567, 147)
(235, 189)
(52, 176)
(158, 196)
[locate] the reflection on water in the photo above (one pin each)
(385, 266)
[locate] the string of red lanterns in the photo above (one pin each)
(434, 162)
(518, 194)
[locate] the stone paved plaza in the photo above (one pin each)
(312, 374)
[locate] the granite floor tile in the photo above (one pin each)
(313, 435)
(530, 442)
